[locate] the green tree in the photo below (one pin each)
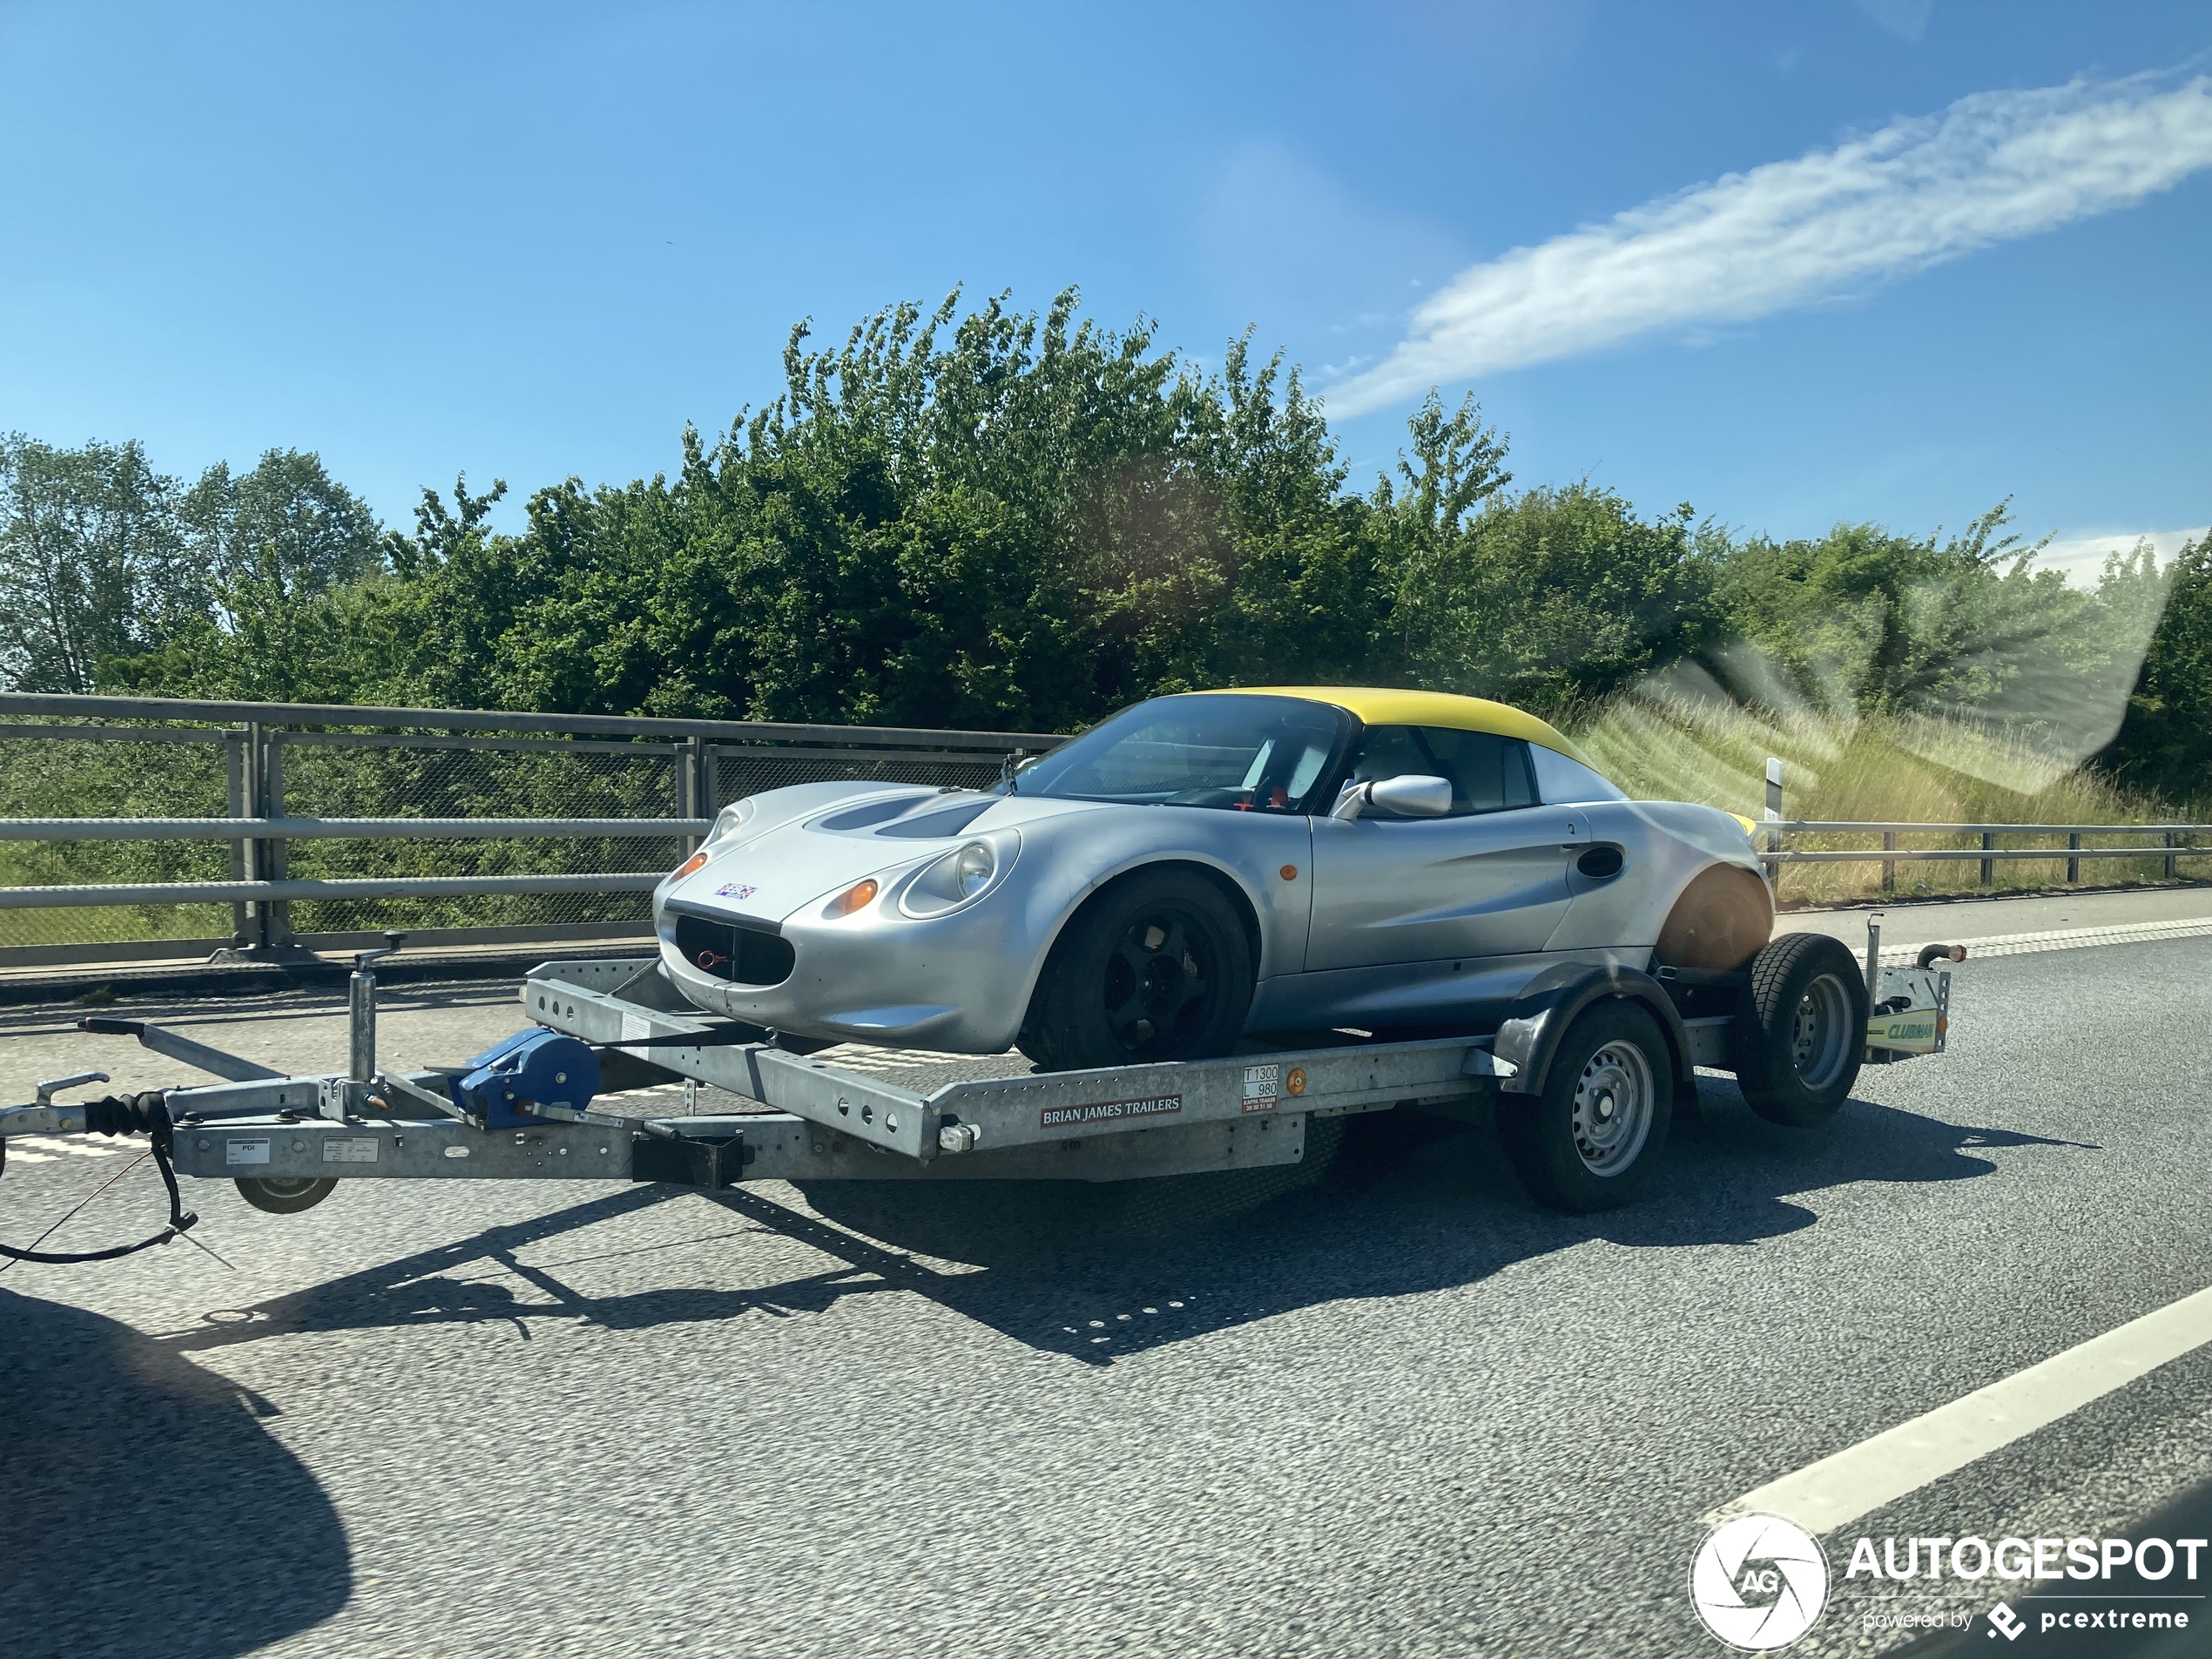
(288, 521)
(92, 562)
(2165, 742)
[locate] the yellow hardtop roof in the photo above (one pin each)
(1383, 706)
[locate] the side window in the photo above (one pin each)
(1564, 779)
(1488, 774)
(1391, 751)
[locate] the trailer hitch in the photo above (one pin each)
(147, 1114)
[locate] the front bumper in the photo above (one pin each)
(960, 982)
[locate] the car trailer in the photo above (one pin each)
(1581, 1074)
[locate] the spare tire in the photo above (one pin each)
(1801, 1034)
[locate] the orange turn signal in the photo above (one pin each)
(689, 865)
(853, 899)
(1289, 872)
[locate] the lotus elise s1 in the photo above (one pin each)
(1202, 866)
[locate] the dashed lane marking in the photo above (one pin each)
(2063, 938)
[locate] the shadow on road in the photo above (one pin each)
(129, 1478)
(1411, 1204)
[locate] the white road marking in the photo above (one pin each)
(2063, 938)
(1860, 1480)
(52, 1143)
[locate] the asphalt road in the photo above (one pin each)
(1405, 1412)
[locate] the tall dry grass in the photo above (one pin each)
(1661, 745)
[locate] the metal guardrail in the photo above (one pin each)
(2175, 842)
(693, 767)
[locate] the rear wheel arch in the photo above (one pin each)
(1722, 918)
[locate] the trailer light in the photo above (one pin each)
(853, 898)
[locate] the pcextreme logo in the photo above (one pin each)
(1758, 1583)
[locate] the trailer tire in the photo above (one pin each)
(1591, 1140)
(285, 1195)
(1801, 1034)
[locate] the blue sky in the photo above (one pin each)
(1792, 263)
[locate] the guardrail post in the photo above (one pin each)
(1988, 866)
(1889, 866)
(1773, 787)
(257, 851)
(279, 861)
(234, 806)
(694, 791)
(2172, 840)
(2073, 866)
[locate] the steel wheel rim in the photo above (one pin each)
(1612, 1109)
(285, 1186)
(1820, 1032)
(1160, 981)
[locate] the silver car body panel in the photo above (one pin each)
(1379, 923)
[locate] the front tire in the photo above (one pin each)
(1800, 1038)
(1159, 967)
(1592, 1138)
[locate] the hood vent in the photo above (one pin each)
(873, 811)
(942, 825)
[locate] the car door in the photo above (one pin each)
(1489, 879)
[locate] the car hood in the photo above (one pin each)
(799, 853)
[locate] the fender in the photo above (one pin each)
(1548, 1004)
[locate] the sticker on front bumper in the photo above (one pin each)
(1110, 1110)
(734, 890)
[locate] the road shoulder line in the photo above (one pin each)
(1861, 1478)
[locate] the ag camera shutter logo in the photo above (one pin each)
(1758, 1583)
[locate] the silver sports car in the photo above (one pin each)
(1199, 867)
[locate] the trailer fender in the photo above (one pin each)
(1548, 1004)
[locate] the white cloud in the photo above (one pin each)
(1992, 167)
(2082, 556)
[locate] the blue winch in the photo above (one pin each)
(533, 1067)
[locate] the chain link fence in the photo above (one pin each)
(563, 795)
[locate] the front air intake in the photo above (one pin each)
(742, 955)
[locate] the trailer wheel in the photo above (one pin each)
(1158, 967)
(1799, 1041)
(1592, 1138)
(285, 1195)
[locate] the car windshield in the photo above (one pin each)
(1265, 754)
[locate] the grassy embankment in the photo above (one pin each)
(1881, 769)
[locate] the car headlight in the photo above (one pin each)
(734, 817)
(948, 882)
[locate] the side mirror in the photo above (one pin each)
(1411, 796)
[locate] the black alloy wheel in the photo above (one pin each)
(1158, 967)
